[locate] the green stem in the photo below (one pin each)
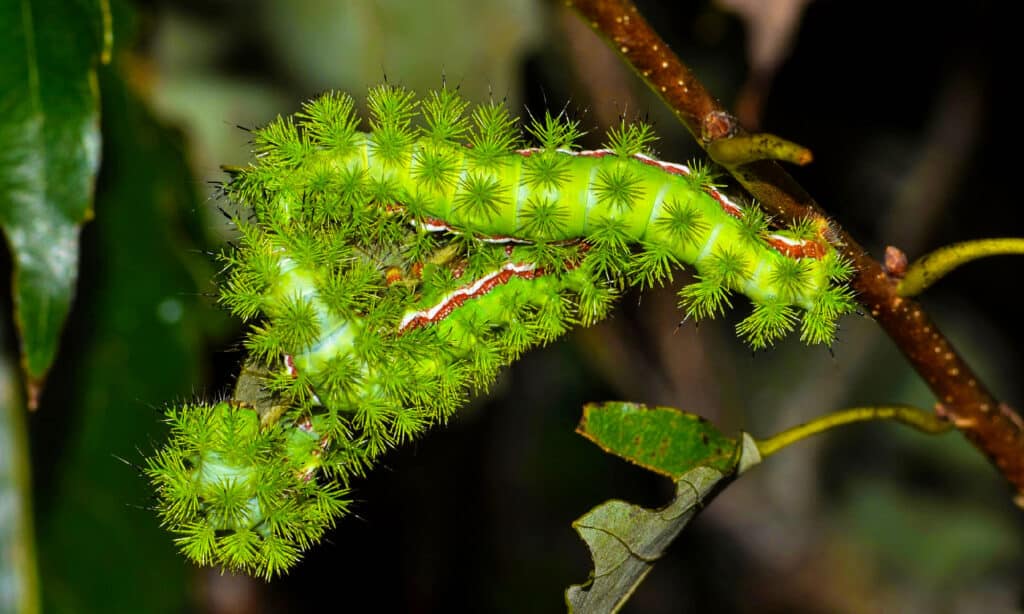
(746, 148)
(922, 420)
(934, 266)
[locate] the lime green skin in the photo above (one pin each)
(581, 209)
(578, 199)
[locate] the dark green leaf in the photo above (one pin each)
(49, 156)
(662, 439)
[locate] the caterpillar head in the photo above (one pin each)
(241, 495)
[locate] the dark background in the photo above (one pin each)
(912, 117)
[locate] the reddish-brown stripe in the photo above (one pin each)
(796, 249)
(729, 207)
(668, 168)
(463, 294)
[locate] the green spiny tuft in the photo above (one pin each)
(373, 417)
(594, 299)
(820, 322)
(704, 174)
(554, 318)
(243, 294)
(295, 322)
(549, 256)
(445, 113)
(281, 144)
(628, 139)
(391, 105)
(723, 271)
(517, 336)
(770, 321)
(705, 299)
(352, 290)
(341, 377)
(653, 265)
(479, 196)
(753, 225)
(555, 132)
(384, 190)
(407, 423)
(331, 122)
(436, 168)
(263, 342)
(299, 243)
(495, 135)
(392, 109)
(682, 222)
(838, 268)
(611, 252)
(543, 217)
(805, 229)
(351, 186)
(547, 170)
(791, 277)
(728, 266)
(619, 188)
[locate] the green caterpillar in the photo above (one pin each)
(389, 274)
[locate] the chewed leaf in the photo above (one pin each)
(625, 540)
(662, 439)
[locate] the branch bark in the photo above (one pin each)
(993, 427)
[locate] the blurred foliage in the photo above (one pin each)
(136, 346)
(50, 140)
(909, 135)
(133, 342)
(18, 573)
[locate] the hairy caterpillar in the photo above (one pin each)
(389, 274)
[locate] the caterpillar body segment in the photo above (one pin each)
(617, 195)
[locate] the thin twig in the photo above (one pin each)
(993, 427)
(919, 419)
(932, 267)
(744, 149)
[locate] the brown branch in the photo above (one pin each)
(993, 427)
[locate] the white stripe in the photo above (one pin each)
(431, 313)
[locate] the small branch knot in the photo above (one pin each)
(718, 125)
(895, 262)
